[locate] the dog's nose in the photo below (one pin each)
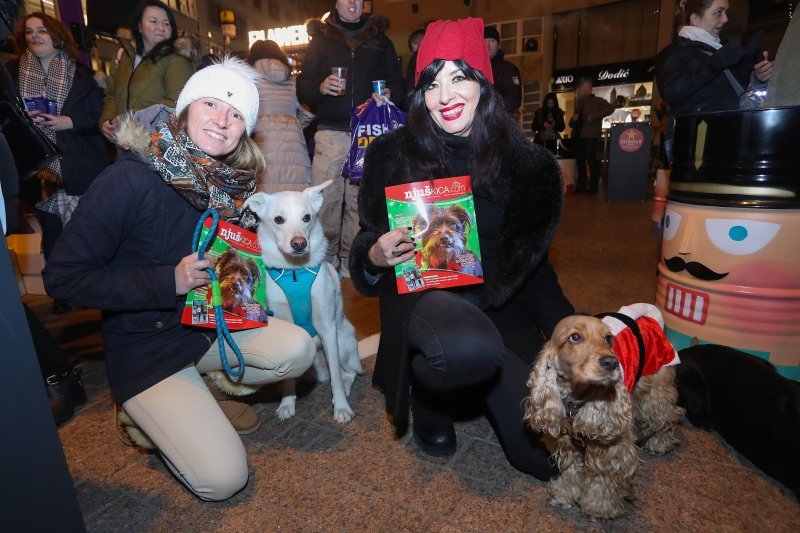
(609, 363)
(299, 244)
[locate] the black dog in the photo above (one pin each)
(743, 398)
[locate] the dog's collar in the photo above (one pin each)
(278, 273)
(571, 407)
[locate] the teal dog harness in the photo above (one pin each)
(296, 285)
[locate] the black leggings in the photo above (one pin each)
(458, 346)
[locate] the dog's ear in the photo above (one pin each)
(257, 204)
(252, 267)
(230, 256)
(544, 410)
(421, 221)
(314, 194)
(461, 214)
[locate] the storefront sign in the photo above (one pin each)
(253, 36)
(288, 36)
(614, 74)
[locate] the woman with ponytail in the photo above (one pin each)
(700, 72)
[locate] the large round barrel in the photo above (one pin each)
(730, 262)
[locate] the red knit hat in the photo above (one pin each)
(455, 39)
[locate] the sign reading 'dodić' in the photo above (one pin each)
(611, 74)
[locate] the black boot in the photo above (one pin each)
(433, 429)
(65, 392)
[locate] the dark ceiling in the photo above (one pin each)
(768, 8)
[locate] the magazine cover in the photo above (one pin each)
(441, 214)
(240, 271)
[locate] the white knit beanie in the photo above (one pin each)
(232, 81)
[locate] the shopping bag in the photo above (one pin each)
(369, 120)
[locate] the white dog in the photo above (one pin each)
(293, 247)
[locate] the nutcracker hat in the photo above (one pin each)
(232, 81)
(455, 39)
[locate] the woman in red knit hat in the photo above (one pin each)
(477, 340)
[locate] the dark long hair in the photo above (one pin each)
(687, 8)
(493, 134)
(550, 96)
(163, 48)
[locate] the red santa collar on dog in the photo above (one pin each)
(658, 351)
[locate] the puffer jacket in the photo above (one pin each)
(369, 57)
(118, 254)
(152, 82)
(278, 132)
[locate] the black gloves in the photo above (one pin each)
(728, 55)
(752, 47)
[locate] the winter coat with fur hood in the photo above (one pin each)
(152, 82)
(278, 131)
(118, 254)
(521, 294)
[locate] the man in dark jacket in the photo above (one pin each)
(506, 75)
(348, 39)
(587, 125)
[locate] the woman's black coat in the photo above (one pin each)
(84, 149)
(540, 115)
(691, 79)
(521, 293)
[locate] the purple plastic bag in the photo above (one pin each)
(42, 104)
(368, 121)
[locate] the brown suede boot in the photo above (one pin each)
(242, 417)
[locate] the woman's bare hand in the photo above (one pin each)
(56, 122)
(763, 69)
(191, 273)
(331, 85)
(392, 248)
(109, 128)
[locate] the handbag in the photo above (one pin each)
(31, 148)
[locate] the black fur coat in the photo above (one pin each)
(521, 293)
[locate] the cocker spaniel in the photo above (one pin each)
(590, 420)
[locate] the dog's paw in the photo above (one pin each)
(560, 502)
(286, 409)
(343, 413)
(347, 380)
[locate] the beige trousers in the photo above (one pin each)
(339, 213)
(180, 416)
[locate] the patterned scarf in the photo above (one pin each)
(200, 179)
(54, 84)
